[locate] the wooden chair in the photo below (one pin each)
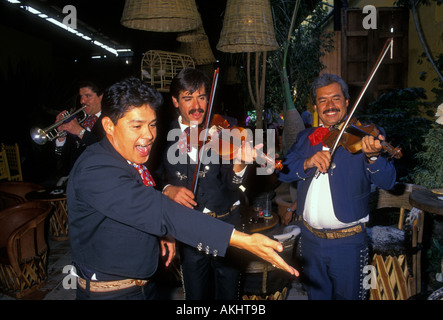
(8, 200)
(19, 188)
(392, 275)
(13, 160)
(397, 259)
(4, 168)
(23, 248)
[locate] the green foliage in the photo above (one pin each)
(435, 254)
(429, 172)
(409, 3)
(399, 113)
(307, 44)
(424, 74)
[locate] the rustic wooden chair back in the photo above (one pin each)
(14, 162)
(23, 248)
(395, 279)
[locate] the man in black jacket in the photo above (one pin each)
(80, 135)
(119, 223)
(217, 193)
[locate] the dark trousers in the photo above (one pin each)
(209, 278)
(146, 292)
(333, 268)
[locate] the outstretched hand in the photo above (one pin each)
(262, 247)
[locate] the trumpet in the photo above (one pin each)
(41, 136)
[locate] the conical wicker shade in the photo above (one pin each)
(161, 15)
(247, 27)
(200, 51)
(192, 36)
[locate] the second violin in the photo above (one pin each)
(352, 135)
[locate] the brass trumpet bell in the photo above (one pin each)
(38, 135)
(42, 136)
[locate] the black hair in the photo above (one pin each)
(91, 85)
(123, 96)
(325, 80)
(189, 79)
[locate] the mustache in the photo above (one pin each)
(199, 110)
(331, 110)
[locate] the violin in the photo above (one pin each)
(349, 134)
(218, 123)
(226, 140)
(353, 134)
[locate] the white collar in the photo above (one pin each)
(182, 125)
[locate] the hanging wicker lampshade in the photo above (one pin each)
(200, 51)
(161, 16)
(192, 36)
(247, 27)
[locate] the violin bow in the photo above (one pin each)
(207, 120)
(385, 49)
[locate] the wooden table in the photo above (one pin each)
(252, 223)
(58, 221)
(427, 200)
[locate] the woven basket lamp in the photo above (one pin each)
(161, 16)
(248, 27)
(200, 51)
(192, 36)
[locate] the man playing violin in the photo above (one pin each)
(218, 191)
(333, 197)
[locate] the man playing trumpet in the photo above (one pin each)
(79, 135)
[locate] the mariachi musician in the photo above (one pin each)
(217, 192)
(80, 135)
(333, 197)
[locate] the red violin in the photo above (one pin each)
(226, 140)
(352, 135)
